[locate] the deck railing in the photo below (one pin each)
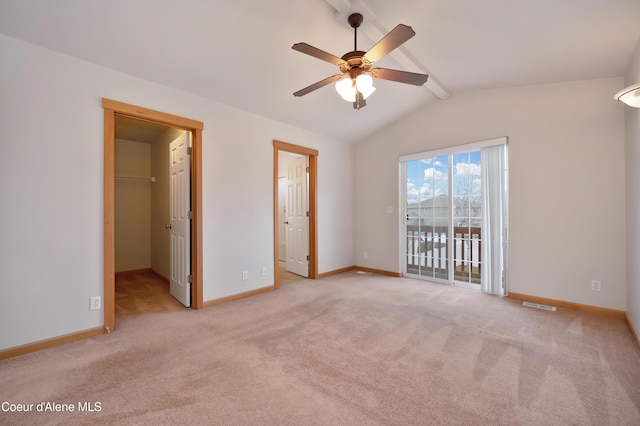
(427, 252)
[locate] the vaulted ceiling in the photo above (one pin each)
(239, 52)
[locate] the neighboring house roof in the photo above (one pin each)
(424, 211)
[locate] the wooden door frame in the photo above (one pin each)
(313, 203)
(111, 110)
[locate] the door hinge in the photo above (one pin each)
(189, 279)
(190, 214)
(308, 169)
(189, 149)
(307, 213)
(308, 257)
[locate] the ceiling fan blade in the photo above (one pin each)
(395, 38)
(318, 85)
(317, 53)
(400, 76)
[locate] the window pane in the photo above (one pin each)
(467, 203)
(427, 216)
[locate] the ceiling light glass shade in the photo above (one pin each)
(630, 95)
(364, 83)
(347, 89)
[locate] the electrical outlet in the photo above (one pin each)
(245, 275)
(264, 271)
(365, 255)
(596, 285)
(95, 303)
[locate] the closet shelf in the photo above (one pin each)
(136, 178)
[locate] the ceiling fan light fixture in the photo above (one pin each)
(346, 89)
(355, 83)
(629, 95)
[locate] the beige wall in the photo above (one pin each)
(632, 126)
(567, 184)
(132, 206)
(160, 208)
(44, 94)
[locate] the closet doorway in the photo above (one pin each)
(113, 109)
(144, 230)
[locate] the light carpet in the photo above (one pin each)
(349, 349)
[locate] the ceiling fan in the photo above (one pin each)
(355, 83)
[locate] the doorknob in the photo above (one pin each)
(286, 222)
(167, 226)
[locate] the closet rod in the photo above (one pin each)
(136, 178)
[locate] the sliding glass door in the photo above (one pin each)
(446, 232)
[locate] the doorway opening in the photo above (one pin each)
(113, 109)
(303, 237)
(144, 194)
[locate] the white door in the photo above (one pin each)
(297, 223)
(180, 286)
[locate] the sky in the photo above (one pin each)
(429, 177)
